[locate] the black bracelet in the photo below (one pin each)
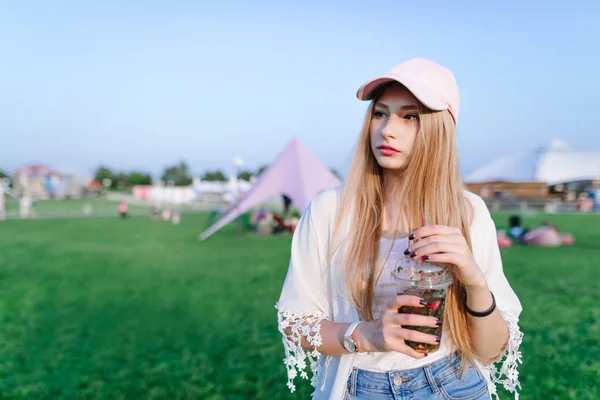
(477, 313)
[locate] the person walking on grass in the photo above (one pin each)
(336, 313)
(123, 209)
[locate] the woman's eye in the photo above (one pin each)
(412, 117)
(379, 114)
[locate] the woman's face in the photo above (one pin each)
(394, 127)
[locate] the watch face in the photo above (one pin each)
(349, 345)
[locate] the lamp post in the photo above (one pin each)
(239, 163)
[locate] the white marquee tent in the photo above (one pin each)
(554, 163)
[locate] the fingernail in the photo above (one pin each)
(406, 252)
(411, 236)
(425, 354)
(412, 254)
(425, 257)
(438, 322)
(437, 339)
(422, 302)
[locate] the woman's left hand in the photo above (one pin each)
(443, 244)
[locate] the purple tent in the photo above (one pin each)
(296, 173)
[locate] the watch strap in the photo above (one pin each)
(350, 331)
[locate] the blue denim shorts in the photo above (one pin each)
(441, 379)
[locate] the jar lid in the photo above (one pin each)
(417, 270)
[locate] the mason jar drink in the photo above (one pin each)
(429, 282)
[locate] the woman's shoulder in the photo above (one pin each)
(475, 201)
(478, 210)
(325, 204)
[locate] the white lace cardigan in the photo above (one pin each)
(313, 291)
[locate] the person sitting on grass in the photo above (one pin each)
(263, 222)
(515, 229)
(547, 235)
(503, 239)
(291, 221)
(278, 224)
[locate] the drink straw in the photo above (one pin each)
(423, 261)
(422, 225)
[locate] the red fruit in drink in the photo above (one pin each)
(434, 306)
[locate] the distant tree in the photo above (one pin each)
(261, 170)
(139, 178)
(214, 176)
(179, 174)
(103, 173)
(4, 175)
(245, 176)
(120, 180)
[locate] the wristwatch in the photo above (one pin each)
(348, 342)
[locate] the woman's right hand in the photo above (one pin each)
(388, 333)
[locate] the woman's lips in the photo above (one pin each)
(388, 150)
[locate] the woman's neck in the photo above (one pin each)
(395, 221)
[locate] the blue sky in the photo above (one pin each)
(139, 85)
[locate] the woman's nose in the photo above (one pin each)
(391, 127)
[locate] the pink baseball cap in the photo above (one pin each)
(432, 84)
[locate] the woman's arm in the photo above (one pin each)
(489, 334)
(332, 335)
(384, 334)
(497, 335)
(445, 244)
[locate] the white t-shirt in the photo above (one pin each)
(385, 292)
(313, 290)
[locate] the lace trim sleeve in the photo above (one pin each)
(507, 375)
(296, 358)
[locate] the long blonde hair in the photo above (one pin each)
(429, 185)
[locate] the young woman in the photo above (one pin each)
(334, 312)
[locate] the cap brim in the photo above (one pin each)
(429, 98)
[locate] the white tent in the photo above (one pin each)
(296, 173)
(552, 164)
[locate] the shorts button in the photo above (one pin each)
(397, 381)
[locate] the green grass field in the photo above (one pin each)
(105, 308)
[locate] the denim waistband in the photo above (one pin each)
(410, 379)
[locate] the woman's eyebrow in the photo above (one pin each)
(408, 107)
